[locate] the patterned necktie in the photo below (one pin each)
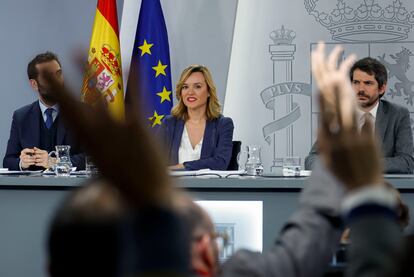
(49, 118)
(367, 117)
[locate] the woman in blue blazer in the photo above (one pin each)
(196, 135)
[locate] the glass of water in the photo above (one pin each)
(62, 169)
(277, 167)
(90, 166)
(254, 164)
(60, 160)
(291, 166)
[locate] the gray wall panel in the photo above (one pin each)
(201, 32)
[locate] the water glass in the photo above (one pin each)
(63, 169)
(90, 166)
(59, 160)
(254, 164)
(277, 167)
(291, 166)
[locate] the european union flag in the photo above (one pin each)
(150, 64)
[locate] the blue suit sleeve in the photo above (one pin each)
(12, 157)
(162, 132)
(222, 153)
(164, 136)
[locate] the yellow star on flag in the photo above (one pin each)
(160, 69)
(145, 48)
(156, 119)
(164, 94)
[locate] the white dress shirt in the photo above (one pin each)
(186, 152)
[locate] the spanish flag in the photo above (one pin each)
(104, 75)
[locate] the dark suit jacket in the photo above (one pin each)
(393, 127)
(217, 143)
(25, 133)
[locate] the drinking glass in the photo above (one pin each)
(291, 166)
(277, 167)
(90, 166)
(254, 164)
(63, 165)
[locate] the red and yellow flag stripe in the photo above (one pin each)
(104, 75)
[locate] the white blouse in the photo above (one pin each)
(186, 152)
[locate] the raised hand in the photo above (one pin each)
(352, 155)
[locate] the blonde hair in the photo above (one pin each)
(213, 110)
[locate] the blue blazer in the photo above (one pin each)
(25, 133)
(217, 143)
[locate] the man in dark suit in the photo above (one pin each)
(37, 128)
(392, 122)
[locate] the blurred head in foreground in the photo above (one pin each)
(204, 248)
(403, 211)
(84, 232)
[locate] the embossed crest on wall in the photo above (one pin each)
(284, 102)
(374, 28)
(367, 27)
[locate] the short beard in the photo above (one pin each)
(369, 104)
(47, 95)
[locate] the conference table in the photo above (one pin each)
(28, 202)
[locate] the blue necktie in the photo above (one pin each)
(49, 118)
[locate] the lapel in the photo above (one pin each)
(176, 139)
(381, 120)
(60, 132)
(208, 139)
(31, 129)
